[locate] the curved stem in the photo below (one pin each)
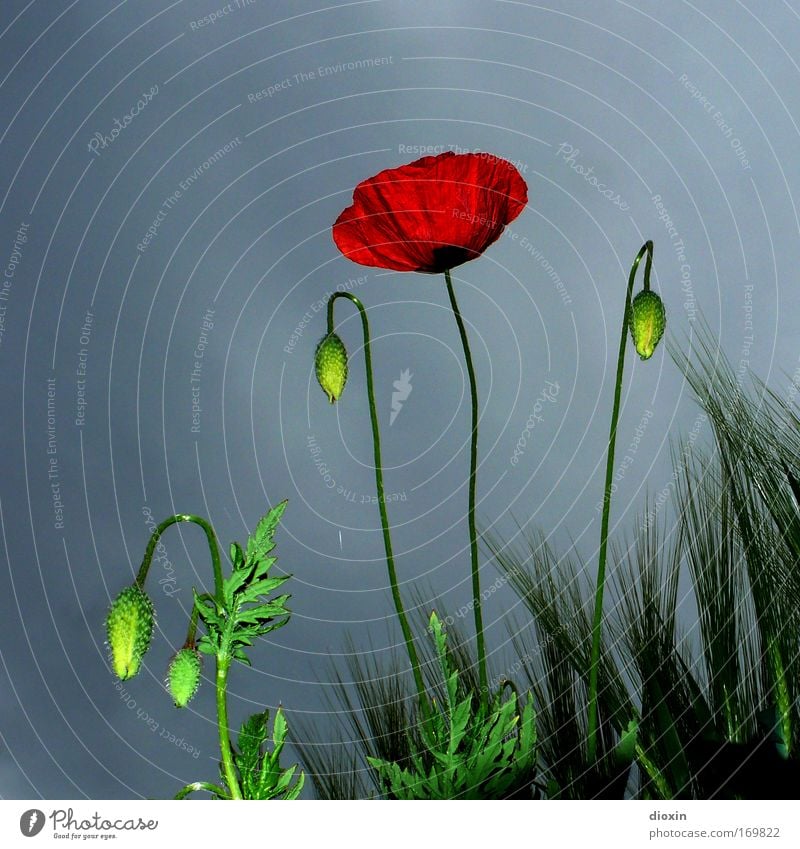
(473, 474)
(647, 248)
(213, 546)
(387, 540)
(223, 658)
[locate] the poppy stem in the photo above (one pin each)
(597, 624)
(223, 662)
(473, 474)
(387, 540)
(213, 546)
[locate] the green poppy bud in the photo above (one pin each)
(647, 319)
(129, 627)
(331, 366)
(183, 677)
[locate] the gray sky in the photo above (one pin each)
(239, 140)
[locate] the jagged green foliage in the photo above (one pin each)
(260, 771)
(245, 612)
(466, 751)
(378, 717)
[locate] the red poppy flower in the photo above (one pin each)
(432, 214)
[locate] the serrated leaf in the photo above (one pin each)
(261, 773)
(237, 555)
(284, 780)
(260, 587)
(239, 655)
(270, 610)
(206, 645)
(251, 735)
(261, 543)
(248, 759)
(261, 567)
(279, 728)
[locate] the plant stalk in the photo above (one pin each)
(223, 664)
(222, 658)
(597, 624)
(473, 474)
(387, 540)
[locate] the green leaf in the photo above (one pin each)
(626, 748)
(239, 655)
(207, 644)
(261, 774)
(261, 543)
(261, 587)
(237, 555)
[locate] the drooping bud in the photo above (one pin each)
(647, 319)
(183, 677)
(129, 627)
(331, 365)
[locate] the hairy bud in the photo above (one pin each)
(330, 362)
(647, 320)
(183, 677)
(129, 627)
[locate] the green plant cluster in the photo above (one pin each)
(241, 610)
(465, 750)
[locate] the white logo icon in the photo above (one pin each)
(400, 395)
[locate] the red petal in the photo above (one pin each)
(432, 214)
